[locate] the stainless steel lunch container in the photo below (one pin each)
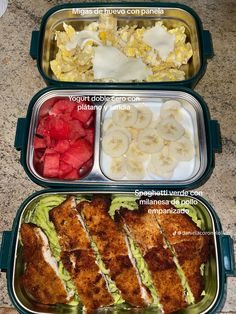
(206, 136)
(219, 266)
(43, 44)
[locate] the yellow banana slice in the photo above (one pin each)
(117, 168)
(163, 161)
(135, 153)
(124, 130)
(115, 143)
(182, 150)
(134, 169)
(154, 123)
(149, 141)
(158, 172)
(144, 118)
(170, 130)
(171, 109)
(134, 133)
(107, 124)
(125, 117)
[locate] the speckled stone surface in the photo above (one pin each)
(20, 80)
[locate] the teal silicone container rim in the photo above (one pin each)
(206, 49)
(212, 140)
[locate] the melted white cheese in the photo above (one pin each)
(81, 38)
(109, 63)
(159, 38)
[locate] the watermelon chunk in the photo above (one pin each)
(59, 129)
(79, 152)
(90, 135)
(66, 117)
(62, 146)
(50, 142)
(46, 107)
(73, 175)
(62, 106)
(90, 121)
(48, 151)
(38, 154)
(51, 165)
(43, 128)
(64, 138)
(76, 130)
(64, 169)
(39, 142)
(83, 115)
(86, 168)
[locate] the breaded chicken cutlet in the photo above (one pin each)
(189, 245)
(145, 232)
(112, 246)
(78, 257)
(41, 278)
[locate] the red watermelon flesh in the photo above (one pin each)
(64, 140)
(46, 107)
(66, 117)
(43, 126)
(62, 106)
(39, 143)
(51, 165)
(86, 168)
(89, 123)
(76, 130)
(62, 146)
(59, 129)
(73, 175)
(38, 154)
(83, 115)
(64, 169)
(90, 133)
(79, 152)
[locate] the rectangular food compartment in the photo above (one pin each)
(63, 139)
(144, 159)
(191, 129)
(79, 16)
(201, 214)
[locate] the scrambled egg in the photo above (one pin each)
(164, 62)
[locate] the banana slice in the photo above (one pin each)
(188, 135)
(107, 124)
(166, 143)
(154, 123)
(124, 130)
(171, 109)
(163, 161)
(144, 118)
(134, 133)
(115, 143)
(182, 150)
(117, 168)
(149, 141)
(135, 153)
(134, 169)
(170, 130)
(158, 172)
(125, 117)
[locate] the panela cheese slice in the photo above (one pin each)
(160, 39)
(111, 64)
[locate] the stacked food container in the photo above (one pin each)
(119, 119)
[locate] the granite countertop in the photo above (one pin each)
(20, 80)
